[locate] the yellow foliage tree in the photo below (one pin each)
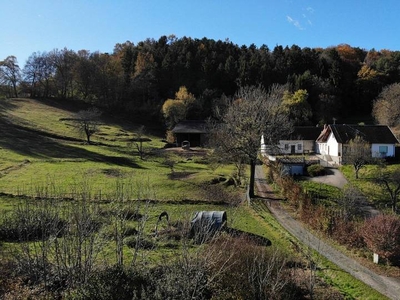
(367, 73)
(296, 105)
(175, 110)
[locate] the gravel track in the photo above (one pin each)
(387, 286)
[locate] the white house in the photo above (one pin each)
(300, 141)
(334, 138)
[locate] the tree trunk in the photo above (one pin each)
(356, 169)
(87, 132)
(15, 90)
(252, 178)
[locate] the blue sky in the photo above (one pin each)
(42, 25)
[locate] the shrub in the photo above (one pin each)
(31, 222)
(111, 283)
(315, 170)
(382, 235)
(251, 272)
(348, 233)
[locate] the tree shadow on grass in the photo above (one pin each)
(6, 105)
(31, 144)
(257, 239)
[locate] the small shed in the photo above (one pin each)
(192, 131)
(206, 223)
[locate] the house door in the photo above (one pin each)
(293, 149)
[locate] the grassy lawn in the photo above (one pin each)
(320, 191)
(32, 163)
(367, 183)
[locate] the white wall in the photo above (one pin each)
(289, 144)
(375, 150)
(333, 146)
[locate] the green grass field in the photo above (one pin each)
(367, 182)
(36, 155)
(42, 155)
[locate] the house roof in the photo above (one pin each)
(373, 134)
(191, 126)
(305, 133)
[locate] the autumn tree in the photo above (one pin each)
(382, 235)
(296, 105)
(87, 122)
(386, 108)
(252, 113)
(175, 110)
(358, 154)
(10, 74)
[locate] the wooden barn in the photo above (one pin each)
(192, 131)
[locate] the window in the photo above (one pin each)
(383, 150)
(286, 146)
(299, 147)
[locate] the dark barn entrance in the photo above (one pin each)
(193, 131)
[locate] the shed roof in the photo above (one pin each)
(373, 134)
(191, 126)
(210, 218)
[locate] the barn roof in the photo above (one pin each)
(373, 134)
(191, 126)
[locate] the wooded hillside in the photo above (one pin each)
(340, 81)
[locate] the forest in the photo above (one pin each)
(340, 82)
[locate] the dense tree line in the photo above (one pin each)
(338, 81)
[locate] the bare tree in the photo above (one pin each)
(39, 71)
(391, 184)
(386, 109)
(350, 204)
(358, 154)
(138, 140)
(87, 122)
(252, 113)
(10, 73)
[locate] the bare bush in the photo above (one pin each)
(382, 235)
(253, 272)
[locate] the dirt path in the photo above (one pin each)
(389, 287)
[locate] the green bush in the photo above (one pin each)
(315, 170)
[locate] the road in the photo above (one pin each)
(387, 286)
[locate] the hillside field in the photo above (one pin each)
(43, 157)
